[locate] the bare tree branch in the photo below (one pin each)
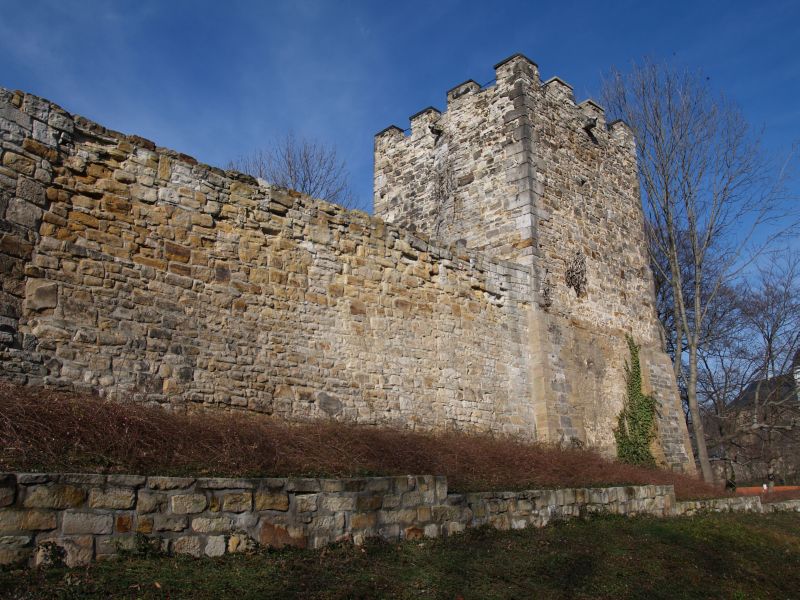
(712, 202)
(303, 165)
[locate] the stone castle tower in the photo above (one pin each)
(522, 173)
(492, 291)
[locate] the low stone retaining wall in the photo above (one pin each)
(786, 505)
(732, 504)
(86, 517)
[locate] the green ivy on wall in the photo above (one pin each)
(636, 422)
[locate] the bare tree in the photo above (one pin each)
(748, 382)
(301, 164)
(707, 195)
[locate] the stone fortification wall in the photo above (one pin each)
(520, 170)
(94, 516)
(138, 273)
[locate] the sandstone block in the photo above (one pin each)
(124, 176)
(329, 404)
(40, 294)
(391, 501)
(31, 190)
(15, 246)
(332, 524)
(338, 503)
(14, 541)
(237, 502)
(54, 496)
(169, 523)
(378, 484)
(20, 164)
(278, 536)
(402, 516)
(23, 213)
(185, 504)
(14, 556)
(78, 550)
(212, 524)
(306, 502)
(169, 483)
(109, 546)
(164, 168)
(86, 522)
(221, 483)
(31, 478)
(412, 498)
(215, 545)
(240, 542)
(7, 495)
(26, 520)
(454, 527)
(126, 480)
(148, 502)
(369, 502)
(118, 498)
(332, 485)
(177, 252)
(189, 544)
(144, 524)
(363, 520)
(123, 523)
(271, 501)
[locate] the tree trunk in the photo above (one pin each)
(697, 423)
(677, 360)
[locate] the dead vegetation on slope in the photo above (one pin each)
(43, 430)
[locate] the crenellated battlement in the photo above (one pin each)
(508, 73)
(434, 175)
(470, 86)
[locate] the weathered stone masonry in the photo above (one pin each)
(135, 272)
(519, 171)
(141, 274)
(91, 516)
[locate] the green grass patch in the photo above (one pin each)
(709, 556)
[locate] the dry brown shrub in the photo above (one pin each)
(778, 495)
(42, 430)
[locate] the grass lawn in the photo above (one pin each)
(710, 556)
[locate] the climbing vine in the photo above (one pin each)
(636, 425)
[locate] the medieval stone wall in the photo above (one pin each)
(492, 293)
(545, 182)
(137, 273)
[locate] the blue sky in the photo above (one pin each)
(218, 79)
